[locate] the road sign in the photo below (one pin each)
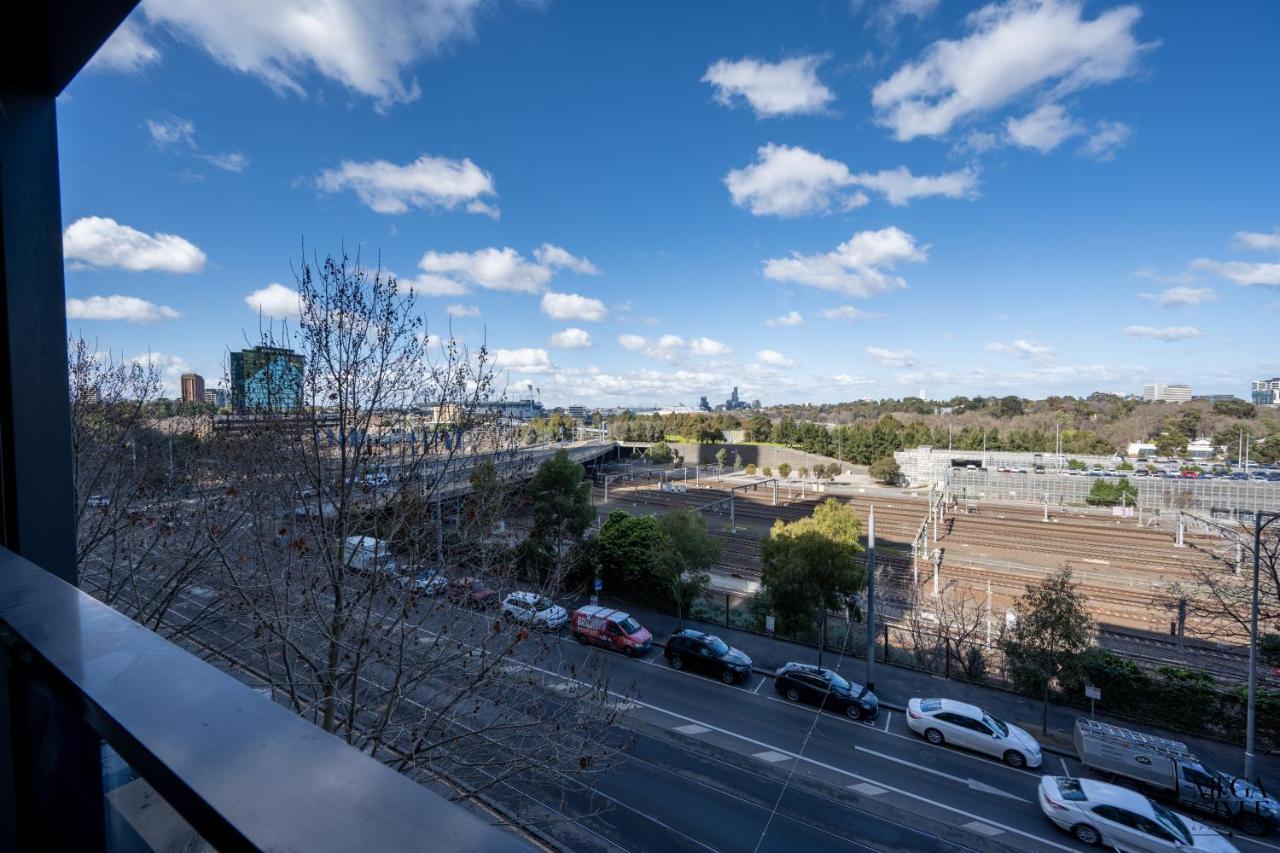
(1092, 692)
(599, 584)
(768, 623)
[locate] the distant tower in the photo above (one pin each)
(192, 388)
(924, 395)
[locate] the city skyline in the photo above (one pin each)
(781, 204)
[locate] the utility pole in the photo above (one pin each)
(988, 613)
(871, 597)
(937, 567)
(1251, 716)
(1182, 622)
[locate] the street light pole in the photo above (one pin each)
(1251, 716)
(871, 597)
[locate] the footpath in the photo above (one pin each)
(895, 685)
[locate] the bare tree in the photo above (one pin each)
(1219, 600)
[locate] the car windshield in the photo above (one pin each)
(718, 646)
(629, 625)
(1171, 822)
(837, 682)
(542, 604)
(996, 725)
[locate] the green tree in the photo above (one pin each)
(737, 460)
(660, 453)
(1235, 408)
(767, 471)
(1052, 629)
(1106, 493)
(759, 428)
(804, 473)
(885, 470)
(562, 509)
(784, 470)
(630, 549)
(1171, 442)
(751, 469)
(689, 552)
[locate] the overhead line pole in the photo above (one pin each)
(871, 597)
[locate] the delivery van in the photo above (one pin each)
(614, 629)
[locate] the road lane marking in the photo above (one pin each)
(763, 679)
(981, 827)
(888, 717)
(1065, 771)
(973, 784)
(868, 789)
(691, 729)
(771, 755)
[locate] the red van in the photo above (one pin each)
(605, 626)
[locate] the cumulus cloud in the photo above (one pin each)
(493, 269)
(555, 257)
(368, 47)
(524, 360)
(1105, 139)
(1044, 128)
(169, 367)
(893, 357)
(571, 306)
(848, 312)
(857, 267)
(1166, 333)
(437, 285)
(1012, 50)
(97, 241)
(706, 346)
(789, 87)
(789, 180)
(635, 343)
(462, 311)
(846, 380)
(1022, 348)
(275, 300)
(572, 338)
(127, 51)
(1181, 297)
(131, 309)
(791, 318)
(1241, 272)
(171, 131)
(1258, 241)
(774, 358)
(428, 183)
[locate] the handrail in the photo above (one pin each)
(244, 772)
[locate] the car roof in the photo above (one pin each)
(523, 595)
(691, 634)
(1114, 795)
(603, 612)
(964, 709)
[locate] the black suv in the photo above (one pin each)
(696, 651)
(800, 682)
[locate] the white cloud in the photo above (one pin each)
(437, 285)
(789, 180)
(127, 50)
(462, 311)
(893, 358)
(230, 162)
(789, 87)
(856, 267)
(791, 318)
(848, 312)
(1044, 128)
(131, 309)
(170, 368)
(846, 380)
(1167, 333)
(524, 360)
(1106, 138)
(428, 183)
(635, 343)
(1258, 241)
(571, 306)
(706, 346)
(1180, 297)
(1242, 272)
(774, 358)
(368, 47)
(172, 131)
(1022, 348)
(493, 269)
(555, 257)
(1012, 50)
(670, 341)
(275, 300)
(572, 338)
(97, 241)
(886, 15)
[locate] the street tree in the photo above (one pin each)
(722, 456)
(562, 509)
(784, 470)
(885, 470)
(1052, 629)
(1171, 443)
(689, 553)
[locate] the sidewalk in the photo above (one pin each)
(894, 685)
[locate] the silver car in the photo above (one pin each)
(942, 721)
(535, 610)
(1099, 813)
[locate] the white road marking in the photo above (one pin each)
(763, 679)
(1065, 771)
(771, 755)
(868, 789)
(691, 729)
(973, 784)
(887, 718)
(981, 827)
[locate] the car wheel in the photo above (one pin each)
(1086, 834)
(1015, 759)
(934, 737)
(792, 694)
(676, 662)
(629, 651)
(507, 614)
(1253, 824)
(728, 676)
(581, 638)
(853, 712)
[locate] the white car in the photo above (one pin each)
(537, 610)
(942, 721)
(424, 582)
(1098, 813)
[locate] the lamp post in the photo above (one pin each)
(1251, 719)
(871, 597)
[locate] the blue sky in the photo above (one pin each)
(644, 203)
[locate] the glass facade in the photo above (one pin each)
(266, 378)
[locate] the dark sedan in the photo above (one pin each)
(799, 682)
(707, 653)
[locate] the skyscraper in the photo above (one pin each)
(266, 379)
(192, 388)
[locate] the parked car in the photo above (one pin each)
(801, 682)
(699, 652)
(942, 721)
(1099, 813)
(614, 629)
(424, 582)
(533, 609)
(471, 591)
(98, 501)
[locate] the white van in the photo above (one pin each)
(367, 555)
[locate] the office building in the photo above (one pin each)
(266, 379)
(192, 388)
(1160, 393)
(216, 397)
(1266, 392)
(1214, 398)
(578, 413)
(733, 403)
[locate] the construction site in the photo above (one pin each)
(939, 552)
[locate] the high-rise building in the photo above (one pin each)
(1160, 393)
(192, 388)
(216, 397)
(703, 404)
(266, 379)
(578, 413)
(1266, 392)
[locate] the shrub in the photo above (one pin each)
(768, 472)
(885, 470)
(751, 468)
(784, 470)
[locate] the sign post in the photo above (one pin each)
(595, 596)
(1094, 693)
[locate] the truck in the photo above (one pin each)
(1166, 769)
(369, 556)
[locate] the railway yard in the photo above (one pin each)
(1124, 569)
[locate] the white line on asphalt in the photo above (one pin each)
(763, 679)
(970, 783)
(691, 729)
(868, 789)
(887, 718)
(771, 755)
(981, 827)
(1065, 771)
